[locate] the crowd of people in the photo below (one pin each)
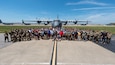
(18, 35)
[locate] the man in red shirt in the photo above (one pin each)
(61, 33)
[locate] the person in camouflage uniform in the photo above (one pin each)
(109, 35)
(91, 37)
(96, 37)
(75, 34)
(28, 36)
(84, 35)
(69, 34)
(18, 37)
(14, 38)
(6, 37)
(104, 37)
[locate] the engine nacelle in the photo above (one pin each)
(38, 22)
(48, 22)
(65, 23)
(45, 24)
(75, 22)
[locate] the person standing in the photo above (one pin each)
(61, 33)
(6, 38)
(104, 37)
(109, 35)
(79, 35)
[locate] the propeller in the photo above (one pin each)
(75, 22)
(45, 24)
(48, 22)
(39, 22)
(65, 23)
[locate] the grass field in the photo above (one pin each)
(106, 28)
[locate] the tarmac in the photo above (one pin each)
(2, 43)
(83, 52)
(26, 52)
(39, 52)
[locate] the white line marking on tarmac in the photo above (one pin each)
(49, 63)
(24, 63)
(81, 64)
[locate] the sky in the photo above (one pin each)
(96, 11)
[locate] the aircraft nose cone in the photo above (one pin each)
(55, 24)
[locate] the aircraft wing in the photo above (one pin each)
(46, 22)
(37, 21)
(73, 21)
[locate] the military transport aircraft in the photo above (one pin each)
(5, 23)
(55, 23)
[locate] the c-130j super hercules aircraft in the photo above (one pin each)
(55, 23)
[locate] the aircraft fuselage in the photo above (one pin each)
(56, 23)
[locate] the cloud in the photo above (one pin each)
(94, 8)
(96, 18)
(87, 2)
(101, 18)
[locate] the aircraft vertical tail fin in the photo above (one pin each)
(1, 21)
(87, 22)
(23, 22)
